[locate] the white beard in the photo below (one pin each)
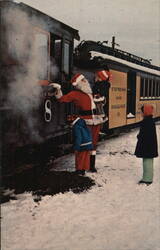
(84, 86)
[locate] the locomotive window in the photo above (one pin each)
(56, 57)
(41, 55)
(66, 58)
(57, 51)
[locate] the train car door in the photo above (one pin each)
(131, 94)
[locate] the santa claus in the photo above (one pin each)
(82, 97)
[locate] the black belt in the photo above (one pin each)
(87, 112)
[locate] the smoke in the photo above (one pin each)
(54, 70)
(30, 65)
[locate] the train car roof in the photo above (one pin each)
(96, 55)
(50, 23)
(113, 59)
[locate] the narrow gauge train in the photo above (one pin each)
(36, 50)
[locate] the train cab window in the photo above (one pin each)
(58, 51)
(60, 57)
(66, 60)
(41, 54)
(56, 57)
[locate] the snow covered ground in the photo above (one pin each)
(115, 214)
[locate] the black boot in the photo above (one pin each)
(145, 182)
(80, 172)
(92, 163)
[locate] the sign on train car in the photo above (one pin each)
(117, 99)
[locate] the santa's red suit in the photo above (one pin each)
(83, 99)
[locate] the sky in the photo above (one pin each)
(115, 214)
(135, 24)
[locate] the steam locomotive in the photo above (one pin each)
(37, 49)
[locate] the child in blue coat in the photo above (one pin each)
(82, 143)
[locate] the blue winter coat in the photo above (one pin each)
(82, 139)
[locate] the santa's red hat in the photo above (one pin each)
(76, 79)
(103, 75)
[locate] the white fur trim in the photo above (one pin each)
(55, 85)
(79, 78)
(99, 99)
(93, 106)
(93, 152)
(75, 121)
(87, 143)
(95, 120)
(105, 119)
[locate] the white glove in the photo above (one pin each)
(55, 85)
(58, 93)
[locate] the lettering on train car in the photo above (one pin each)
(118, 106)
(118, 89)
(118, 97)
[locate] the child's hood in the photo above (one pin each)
(147, 110)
